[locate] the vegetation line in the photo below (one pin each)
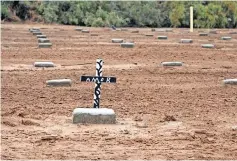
(211, 14)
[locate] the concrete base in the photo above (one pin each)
(167, 64)
(41, 36)
(213, 32)
(230, 81)
(149, 35)
(37, 33)
(124, 29)
(34, 30)
(203, 34)
(162, 37)
(59, 82)
(226, 38)
(136, 31)
(94, 116)
(117, 40)
(45, 45)
(169, 30)
(160, 30)
(85, 31)
(127, 45)
(43, 40)
(78, 29)
(208, 46)
(186, 41)
(44, 64)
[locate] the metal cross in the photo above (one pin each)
(98, 79)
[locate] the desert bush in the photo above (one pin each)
(126, 13)
(4, 12)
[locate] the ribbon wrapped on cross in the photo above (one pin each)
(98, 79)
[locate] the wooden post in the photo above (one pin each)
(191, 19)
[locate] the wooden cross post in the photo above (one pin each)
(191, 19)
(98, 79)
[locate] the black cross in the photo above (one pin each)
(98, 79)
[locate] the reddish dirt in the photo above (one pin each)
(162, 113)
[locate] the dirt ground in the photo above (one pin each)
(162, 113)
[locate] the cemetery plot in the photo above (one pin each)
(176, 112)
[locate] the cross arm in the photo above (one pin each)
(98, 79)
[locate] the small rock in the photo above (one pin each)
(22, 114)
(49, 137)
(200, 131)
(141, 125)
(234, 128)
(104, 134)
(8, 123)
(137, 118)
(126, 132)
(87, 131)
(29, 123)
(169, 118)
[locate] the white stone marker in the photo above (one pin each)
(166, 64)
(169, 30)
(41, 36)
(135, 31)
(123, 29)
(149, 35)
(37, 33)
(43, 40)
(203, 34)
(44, 64)
(160, 30)
(45, 45)
(230, 81)
(127, 45)
(213, 32)
(162, 37)
(186, 41)
(94, 34)
(226, 38)
(34, 29)
(59, 82)
(85, 31)
(117, 40)
(78, 29)
(208, 46)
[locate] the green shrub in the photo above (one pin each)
(98, 22)
(50, 13)
(4, 12)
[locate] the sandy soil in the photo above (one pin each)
(162, 113)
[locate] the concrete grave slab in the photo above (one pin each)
(45, 45)
(94, 116)
(44, 64)
(59, 82)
